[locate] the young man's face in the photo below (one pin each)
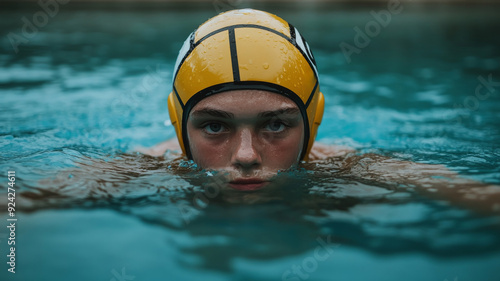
(250, 134)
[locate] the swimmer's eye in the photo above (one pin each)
(276, 126)
(214, 128)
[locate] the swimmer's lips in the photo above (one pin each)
(248, 184)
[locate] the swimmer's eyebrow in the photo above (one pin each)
(288, 110)
(213, 113)
(224, 114)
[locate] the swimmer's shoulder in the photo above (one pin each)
(321, 151)
(161, 148)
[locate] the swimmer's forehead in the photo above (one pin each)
(242, 17)
(245, 103)
(208, 111)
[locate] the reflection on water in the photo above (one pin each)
(83, 93)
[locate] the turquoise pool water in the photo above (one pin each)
(92, 84)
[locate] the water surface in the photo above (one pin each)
(92, 84)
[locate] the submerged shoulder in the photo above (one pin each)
(161, 148)
(322, 151)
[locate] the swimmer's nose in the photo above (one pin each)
(246, 154)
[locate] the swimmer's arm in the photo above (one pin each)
(434, 181)
(161, 148)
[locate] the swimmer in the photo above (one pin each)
(246, 96)
(246, 100)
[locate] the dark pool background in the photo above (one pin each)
(92, 84)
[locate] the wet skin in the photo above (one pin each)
(251, 139)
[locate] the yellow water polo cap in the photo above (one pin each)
(246, 49)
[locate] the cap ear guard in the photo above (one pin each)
(318, 117)
(174, 118)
